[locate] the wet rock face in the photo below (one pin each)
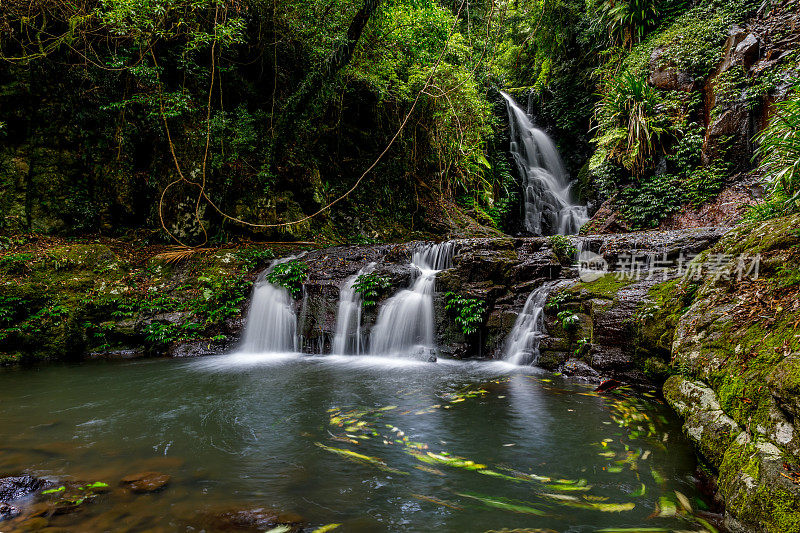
(756, 479)
(145, 482)
(501, 273)
(16, 487)
(664, 75)
(736, 347)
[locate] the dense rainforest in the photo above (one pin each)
(208, 120)
(605, 190)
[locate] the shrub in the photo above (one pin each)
(563, 248)
(627, 21)
(369, 287)
(468, 311)
(569, 321)
(779, 152)
(630, 129)
(646, 204)
(289, 275)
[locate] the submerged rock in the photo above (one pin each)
(250, 519)
(16, 487)
(8, 511)
(145, 481)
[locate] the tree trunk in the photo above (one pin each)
(298, 103)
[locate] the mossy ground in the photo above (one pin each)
(740, 336)
(61, 300)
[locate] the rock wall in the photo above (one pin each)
(735, 350)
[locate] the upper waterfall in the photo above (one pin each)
(549, 207)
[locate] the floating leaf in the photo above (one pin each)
(326, 528)
(665, 507)
(279, 529)
(684, 501)
(361, 458)
(657, 476)
(441, 459)
(504, 504)
(430, 470)
(564, 487)
(638, 492)
(437, 501)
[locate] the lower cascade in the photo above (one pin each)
(271, 322)
(522, 345)
(549, 208)
(405, 322)
(348, 338)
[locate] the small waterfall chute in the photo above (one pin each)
(405, 323)
(549, 207)
(522, 345)
(271, 325)
(348, 339)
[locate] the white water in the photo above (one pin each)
(271, 324)
(549, 207)
(522, 345)
(348, 338)
(405, 322)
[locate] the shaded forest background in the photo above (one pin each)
(132, 117)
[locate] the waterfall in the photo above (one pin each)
(348, 339)
(405, 322)
(549, 208)
(271, 324)
(522, 345)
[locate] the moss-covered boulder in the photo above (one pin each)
(733, 321)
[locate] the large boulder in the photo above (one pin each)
(666, 76)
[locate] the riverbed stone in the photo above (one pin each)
(252, 519)
(18, 486)
(8, 511)
(145, 481)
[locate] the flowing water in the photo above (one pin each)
(348, 337)
(522, 344)
(549, 206)
(372, 443)
(271, 321)
(405, 322)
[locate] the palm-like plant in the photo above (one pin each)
(779, 151)
(627, 21)
(630, 130)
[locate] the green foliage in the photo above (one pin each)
(569, 321)
(369, 287)
(627, 21)
(630, 127)
(555, 301)
(15, 263)
(646, 204)
(565, 251)
(253, 258)
(221, 297)
(10, 306)
(779, 154)
(583, 347)
(468, 312)
(289, 275)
